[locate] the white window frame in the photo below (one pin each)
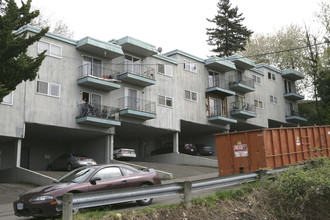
(190, 66)
(49, 87)
(256, 79)
(168, 70)
(272, 76)
(190, 98)
(258, 103)
(273, 99)
(166, 98)
(50, 45)
(8, 99)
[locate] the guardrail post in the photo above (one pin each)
(187, 194)
(262, 173)
(67, 206)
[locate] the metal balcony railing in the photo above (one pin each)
(235, 79)
(292, 112)
(293, 89)
(137, 104)
(137, 69)
(243, 106)
(217, 111)
(98, 111)
(218, 82)
(97, 71)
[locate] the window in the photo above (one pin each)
(128, 172)
(132, 64)
(8, 99)
(167, 70)
(47, 88)
(192, 67)
(190, 95)
(215, 107)
(165, 101)
(271, 76)
(258, 103)
(273, 99)
(109, 173)
(92, 66)
(52, 49)
(256, 79)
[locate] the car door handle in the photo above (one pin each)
(124, 181)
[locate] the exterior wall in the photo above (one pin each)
(11, 116)
(31, 107)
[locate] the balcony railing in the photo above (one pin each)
(98, 111)
(133, 103)
(292, 112)
(219, 82)
(217, 111)
(137, 69)
(97, 71)
(238, 79)
(243, 106)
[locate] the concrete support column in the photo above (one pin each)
(176, 142)
(109, 148)
(18, 152)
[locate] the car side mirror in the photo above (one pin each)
(94, 179)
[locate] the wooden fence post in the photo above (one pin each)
(67, 206)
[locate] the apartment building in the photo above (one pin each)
(136, 98)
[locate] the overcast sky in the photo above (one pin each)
(171, 24)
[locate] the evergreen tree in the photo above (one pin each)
(15, 65)
(230, 35)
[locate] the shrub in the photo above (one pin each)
(302, 193)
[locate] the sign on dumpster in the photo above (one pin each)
(241, 150)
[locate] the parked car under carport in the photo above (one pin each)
(70, 161)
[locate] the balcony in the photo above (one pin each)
(137, 108)
(136, 46)
(292, 95)
(219, 86)
(292, 74)
(99, 48)
(98, 115)
(137, 74)
(219, 65)
(241, 84)
(293, 116)
(218, 115)
(243, 110)
(241, 62)
(98, 78)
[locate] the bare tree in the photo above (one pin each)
(56, 26)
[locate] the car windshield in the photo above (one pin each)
(77, 176)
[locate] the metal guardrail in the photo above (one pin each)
(70, 202)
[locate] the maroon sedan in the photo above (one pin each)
(41, 201)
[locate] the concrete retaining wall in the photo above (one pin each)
(22, 175)
(175, 158)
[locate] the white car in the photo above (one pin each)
(124, 154)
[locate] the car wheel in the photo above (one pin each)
(69, 167)
(144, 202)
